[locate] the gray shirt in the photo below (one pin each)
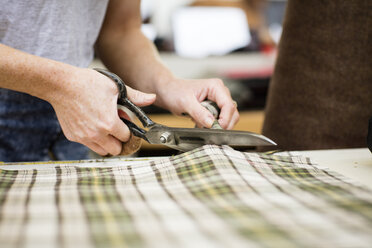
(63, 30)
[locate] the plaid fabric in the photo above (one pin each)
(210, 197)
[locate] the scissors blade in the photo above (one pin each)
(185, 139)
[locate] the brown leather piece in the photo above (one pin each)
(320, 95)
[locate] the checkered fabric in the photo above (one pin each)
(210, 197)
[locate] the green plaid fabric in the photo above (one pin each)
(210, 197)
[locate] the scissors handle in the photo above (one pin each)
(124, 101)
(135, 130)
(145, 120)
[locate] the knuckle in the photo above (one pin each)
(93, 136)
(219, 82)
(106, 126)
(197, 116)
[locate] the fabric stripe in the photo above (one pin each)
(221, 199)
(328, 221)
(74, 228)
(341, 197)
(110, 223)
(180, 228)
(208, 220)
(13, 210)
(200, 227)
(7, 179)
(225, 165)
(145, 222)
(153, 212)
(21, 239)
(278, 206)
(60, 240)
(290, 192)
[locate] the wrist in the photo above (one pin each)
(163, 82)
(57, 81)
(162, 90)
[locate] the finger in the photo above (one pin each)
(198, 125)
(234, 120)
(199, 114)
(221, 95)
(110, 144)
(96, 148)
(140, 98)
(226, 114)
(119, 130)
(227, 107)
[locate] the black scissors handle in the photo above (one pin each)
(135, 130)
(124, 101)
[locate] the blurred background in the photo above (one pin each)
(235, 40)
(231, 39)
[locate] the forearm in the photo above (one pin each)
(34, 75)
(135, 59)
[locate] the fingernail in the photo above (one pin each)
(150, 97)
(208, 122)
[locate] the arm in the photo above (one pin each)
(42, 75)
(127, 52)
(84, 100)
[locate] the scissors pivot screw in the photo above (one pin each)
(165, 137)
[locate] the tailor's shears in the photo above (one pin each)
(183, 139)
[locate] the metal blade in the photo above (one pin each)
(185, 139)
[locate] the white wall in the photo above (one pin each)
(161, 13)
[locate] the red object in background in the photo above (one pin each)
(267, 49)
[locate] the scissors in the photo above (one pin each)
(183, 139)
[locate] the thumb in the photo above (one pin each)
(140, 98)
